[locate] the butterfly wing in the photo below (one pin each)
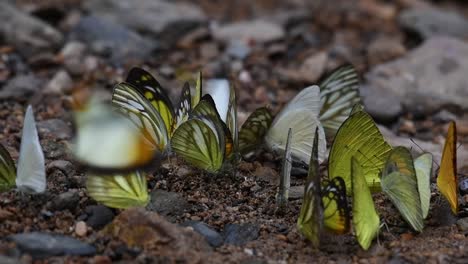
(31, 175)
(366, 221)
(303, 124)
(147, 85)
(108, 141)
(285, 177)
(197, 95)
(423, 167)
(310, 221)
(185, 106)
(400, 184)
(339, 93)
(119, 190)
(253, 130)
(358, 137)
(336, 215)
(447, 178)
(7, 170)
(231, 119)
(142, 114)
(199, 142)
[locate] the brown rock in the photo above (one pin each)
(384, 49)
(81, 229)
(150, 231)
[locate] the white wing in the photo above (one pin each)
(31, 177)
(219, 91)
(303, 124)
(307, 99)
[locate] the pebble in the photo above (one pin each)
(384, 49)
(64, 166)
(296, 192)
(239, 234)
(429, 22)
(258, 31)
(407, 126)
(55, 128)
(462, 224)
(157, 17)
(43, 245)
(20, 87)
(238, 49)
(61, 83)
(426, 89)
(168, 204)
(444, 116)
(382, 105)
(98, 216)
(463, 186)
(28, 34)
(81, 229)
(212, 236)
(313, 67)
(65, 201)
(72, 56)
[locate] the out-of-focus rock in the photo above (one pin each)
(384, 49)
(21, 87)
(55, 128)
(61, 83)
(29, 35)
(427, 78)
(429, 22)
(258, 31)
(168, 204)
(72, 56)
(382, 105)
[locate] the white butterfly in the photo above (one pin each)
(30, 175)
(325, 106)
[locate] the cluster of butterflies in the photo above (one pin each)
(118, 142)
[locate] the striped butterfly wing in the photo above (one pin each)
(119, 190)
(197, 95)
(140, 112)
(336, 216)
(231, 119)
(7, 170)
(252, 132)
(338, 94)
(185, 106)
(150, 88)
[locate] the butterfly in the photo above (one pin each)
(7, 170)
(30, 174)
(423, 168)
(203, 140)
(119, 190)
(325, 106)
(447, 177)
(148, 106)
(224, 97)
(107, 141)
(253, 131)
(285, 177)
(325, 204)
(366, 221)
(399, 182)
(358, 137)
(339, 92)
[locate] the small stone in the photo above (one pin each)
(267, 174)
(444, 116)
(407, 236)
(98, 216)
(258, 31)
(212, 237)
(462, 224)
(20, 87)
(238, 235)
(407, 126)
(11, 260)
(55, 128)
(209, 50)
(429, 22)
(72, 55)
(169, 204)
(81, 229)
(313, 67)
(296, 192)
(64, 166)
(61, 83)
(382, 105)
(384, 49)
(238, 49)
(4, 214)
(43, 245)
(463, 185)
(64, 201)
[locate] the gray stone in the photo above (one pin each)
(151, 16)
(212, 236)
(56, 128)
(444, 116)
(296, 192)
(382, 105)
(68, 200)
(98, 216)
(238, 49)
(259, 31)
(463, 186)
(112, 40)
(428, 22)
(169, 204)
(8, 260)
(427, 78)
(20, 87)
(462, 224)
(26, 33)
(61, 83)
(42, 245)
(64, 166)
(238, 235)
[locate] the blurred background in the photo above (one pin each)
(411, 54)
